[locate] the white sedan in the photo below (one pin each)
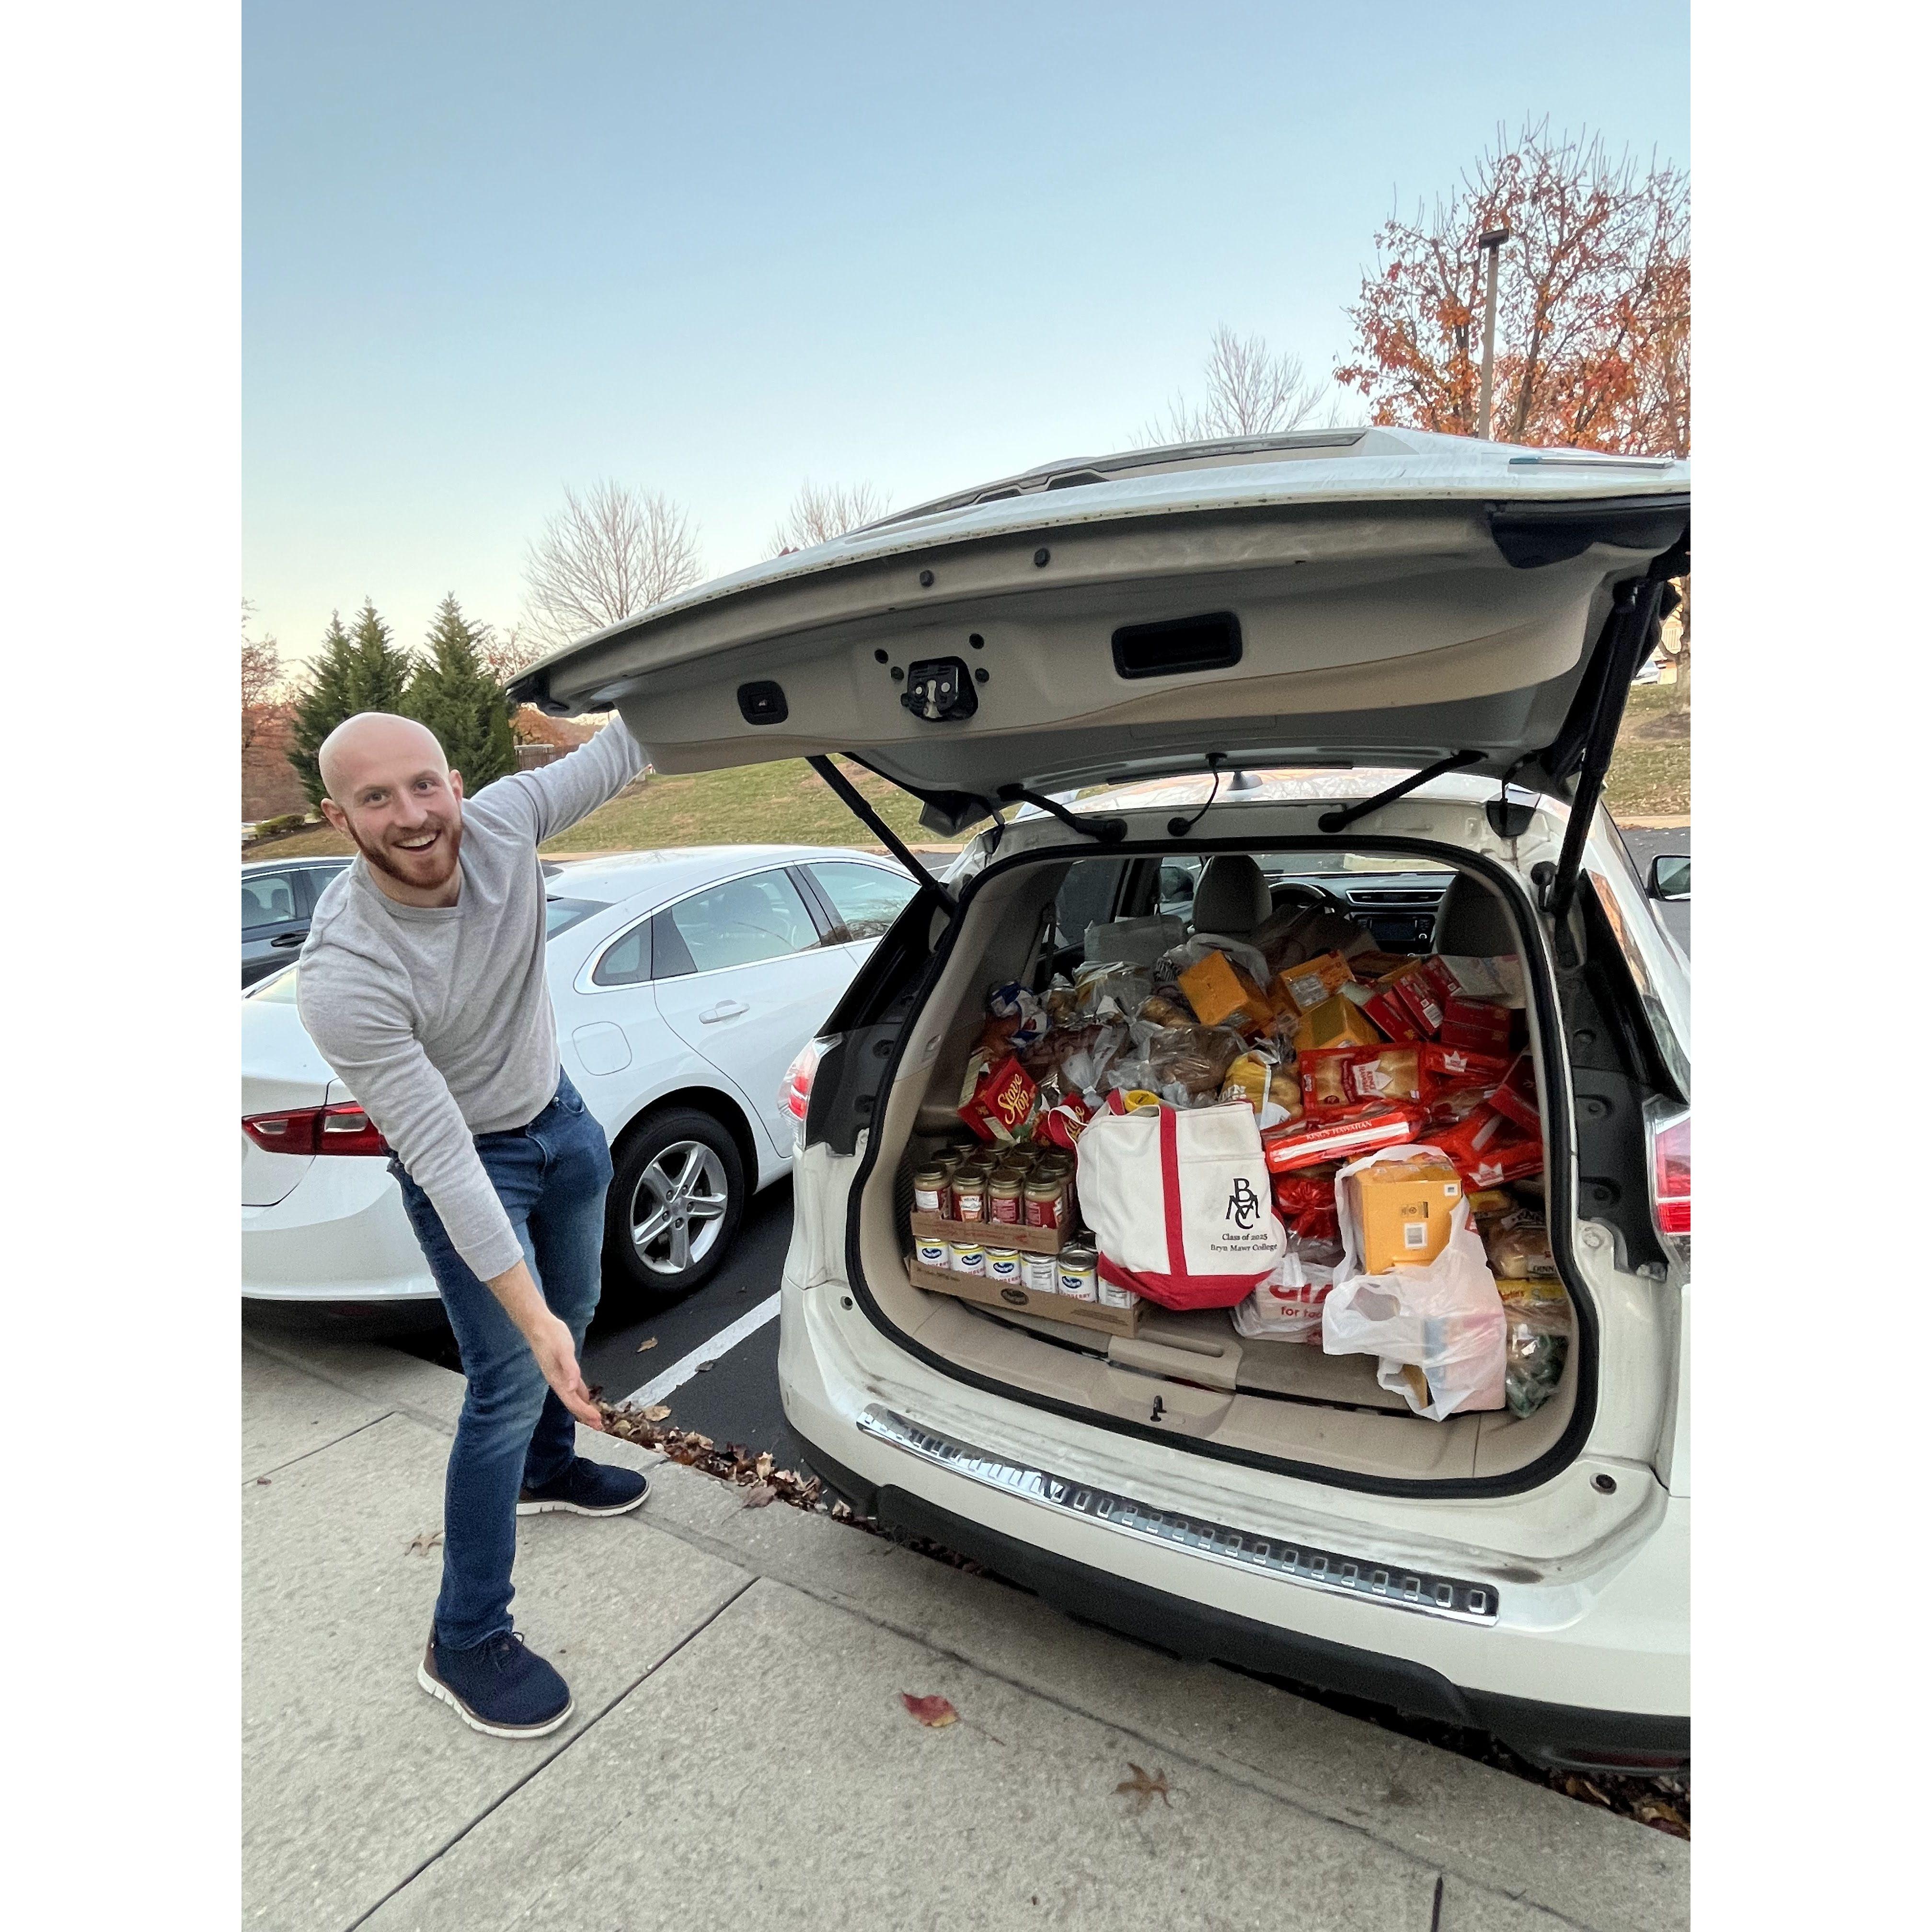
(685, 982)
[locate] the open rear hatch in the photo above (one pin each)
(1385, 599)
(1396, 600)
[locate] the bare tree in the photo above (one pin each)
(607, 555)
(503, 654)
(1250, 391)
(261, 679)
(819, 513)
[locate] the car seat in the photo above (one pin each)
(1230, 896)
(1471, 921)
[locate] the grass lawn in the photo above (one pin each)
(787, 803)
(1650, 773)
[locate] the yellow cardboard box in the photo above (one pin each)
(1221, 994)
(1335, 1022)
(1405, 1209)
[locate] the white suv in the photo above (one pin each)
(1407, 656)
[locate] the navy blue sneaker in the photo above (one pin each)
(497, 1687)
(587, 1488)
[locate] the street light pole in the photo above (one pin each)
(1491, 242)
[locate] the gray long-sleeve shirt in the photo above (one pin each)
(438, 1019)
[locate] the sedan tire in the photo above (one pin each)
(676, 1199)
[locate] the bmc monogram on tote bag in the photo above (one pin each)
(1180, 1203)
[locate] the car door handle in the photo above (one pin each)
(725, 1010)
(288, 939)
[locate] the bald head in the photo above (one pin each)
(390, 788)
(371, 741)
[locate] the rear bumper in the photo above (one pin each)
(1569, 1735)
(1585, 1664)
(340, 1235)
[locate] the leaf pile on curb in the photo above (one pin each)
(753, 1472)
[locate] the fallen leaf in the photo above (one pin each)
(758, 1495)
(426, 1542)
(648, 1342)
(703, 1368)
(764, 1465)
(934, 1713)
(1143, 1788)
(261, 1482)
(657, 1414)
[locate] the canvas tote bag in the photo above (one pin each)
(1180, 1203)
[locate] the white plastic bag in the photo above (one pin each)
(1287, 1307)
(1134, 942)
(1176, 960)
(1442, 1323)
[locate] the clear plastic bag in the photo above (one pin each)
(1169, 968)
(1537, 1316)
(1437, 1329)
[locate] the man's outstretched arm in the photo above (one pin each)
(553, 797)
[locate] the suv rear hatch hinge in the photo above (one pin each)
(861, 807)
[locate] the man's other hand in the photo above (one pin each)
(557, 1356)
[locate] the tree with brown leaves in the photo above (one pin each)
(604, 556)
(821, 512)
(1593, 325)
(261, 679)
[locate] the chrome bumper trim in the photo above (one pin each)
(1335, 1570)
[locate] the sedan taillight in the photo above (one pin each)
(343, 1128)
(1669, 1128)
(795, 1089)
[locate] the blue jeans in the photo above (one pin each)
(514, 1432)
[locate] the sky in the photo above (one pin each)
(491, 250)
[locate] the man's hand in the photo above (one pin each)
(549, 1339)
(557, 1356)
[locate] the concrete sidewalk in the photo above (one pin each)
(740, 1756)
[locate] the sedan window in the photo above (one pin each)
(867, 898)
(736, 924)
(268, 899)
(561, 914)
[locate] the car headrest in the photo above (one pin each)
(1471, 920)
(1230, 896)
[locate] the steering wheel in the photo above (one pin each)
(1319, 897)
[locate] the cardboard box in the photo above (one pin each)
(998, 1103)
(1475, 1024)
(1405, 1209)
(990, 1234)
(1515, 1098)
(1223, 994)
(1314, 980)
(1335, 1022)
(1383, 1007)
(1010, 1299)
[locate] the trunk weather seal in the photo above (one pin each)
(1562, 1202)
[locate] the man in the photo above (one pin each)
(422, 984)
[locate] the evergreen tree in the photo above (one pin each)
(359, 670)
(460, 701)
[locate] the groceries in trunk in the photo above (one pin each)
(1343, 1147)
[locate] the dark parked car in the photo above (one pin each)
(277, 897)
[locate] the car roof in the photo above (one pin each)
(304, 859)
(676, 868)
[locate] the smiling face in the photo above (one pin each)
(391, 791)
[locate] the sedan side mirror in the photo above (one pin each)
(1670, 876)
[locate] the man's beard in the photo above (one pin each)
(443, 855)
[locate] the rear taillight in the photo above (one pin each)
(342, 1128)
(795, 1089)
(1668, 1127)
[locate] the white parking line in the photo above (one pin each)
(721, 1343)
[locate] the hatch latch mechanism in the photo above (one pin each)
(940, 690)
